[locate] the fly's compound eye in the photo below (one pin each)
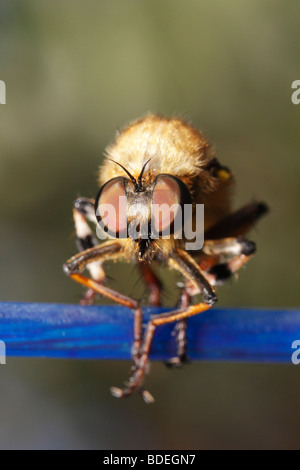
(171, 202)
(171, 205)
(110, 208)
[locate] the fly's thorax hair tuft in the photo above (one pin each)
(172, 145)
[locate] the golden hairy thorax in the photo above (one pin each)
(174, 147)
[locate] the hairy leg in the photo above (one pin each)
(101, 253)
(237, 223)
(153, 284)
(181, 261)
(83, 211)
(180, 332)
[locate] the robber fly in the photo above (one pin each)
(158, 161)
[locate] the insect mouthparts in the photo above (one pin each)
(143, 246)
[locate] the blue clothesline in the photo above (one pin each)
(106, 332)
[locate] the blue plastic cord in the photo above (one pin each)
(106, 332)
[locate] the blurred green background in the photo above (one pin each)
(75, 71)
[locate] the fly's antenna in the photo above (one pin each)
(137, 183)
(141, 173)
(129, 174)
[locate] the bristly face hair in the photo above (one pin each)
(161, 162)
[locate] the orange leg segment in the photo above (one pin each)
(135, 382)
(186, 265)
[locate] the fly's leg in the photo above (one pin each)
(180, 332)
(221, 259)
(99, 254)
(225, 249)
(153, 284)
(181, 261)
(237, 223)
(83, 211)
